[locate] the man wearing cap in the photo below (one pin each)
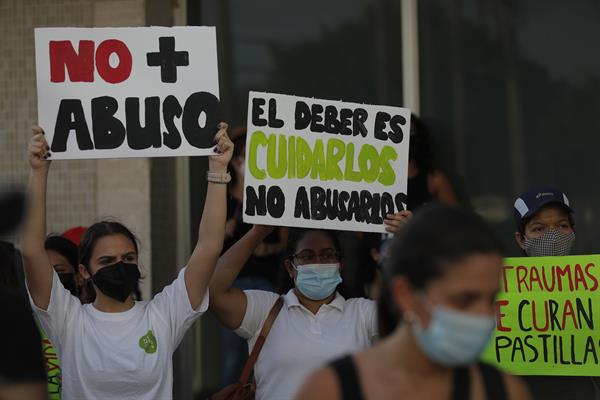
(545, 225)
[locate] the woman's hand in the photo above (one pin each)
(263, 230)
(394, 222)
(224, 150)
(38, 150)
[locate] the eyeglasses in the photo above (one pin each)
(310, 257)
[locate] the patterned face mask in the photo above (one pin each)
(552, 243)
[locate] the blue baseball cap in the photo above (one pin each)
(534, 199)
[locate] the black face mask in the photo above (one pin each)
(118, 280)
(68, 281)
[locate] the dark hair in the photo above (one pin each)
(239, 148)
(239, 145)
(64, 247)
(420, 147)
(436, 237)
(8, 270)
(97, 231)
(295, 236)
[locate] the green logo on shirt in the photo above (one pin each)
(148, 343)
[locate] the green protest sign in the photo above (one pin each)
(548, 317)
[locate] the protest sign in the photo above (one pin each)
(127, 92)
(324, 164)
(547, 319)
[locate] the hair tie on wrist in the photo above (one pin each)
(218, 177)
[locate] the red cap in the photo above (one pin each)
(74, 234)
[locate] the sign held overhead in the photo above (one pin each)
(127, 92)
(324, 164)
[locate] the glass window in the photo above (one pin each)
(337, 49)
(511, 91)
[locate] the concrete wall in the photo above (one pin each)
(80, 192)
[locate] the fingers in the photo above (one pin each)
(38, 145)
(400, 216)
(39, 149)
(222, 131)
(406, 213)
(37, 130)
(223, 143)
(390, 229)
(393, 222)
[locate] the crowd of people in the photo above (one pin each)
(414, 327)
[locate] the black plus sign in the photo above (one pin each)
(167, 59)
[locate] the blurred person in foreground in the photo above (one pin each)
(436, 314)
(22, 373)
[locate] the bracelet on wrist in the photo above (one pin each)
(218, 177)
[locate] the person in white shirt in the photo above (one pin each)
(118, 348)
(315, 325)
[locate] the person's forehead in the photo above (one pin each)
(550, 212)
(315, 240)
(57, 258)
(116, 244)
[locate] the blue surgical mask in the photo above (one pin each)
(454, 338)
(317, 281)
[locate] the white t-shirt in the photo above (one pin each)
(125, 355)
(300, 341)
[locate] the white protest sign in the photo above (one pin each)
(127, 92)
(324, 164)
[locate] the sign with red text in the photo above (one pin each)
(324, 164)
(548, 317)
(127, 92)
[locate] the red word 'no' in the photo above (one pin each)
(80, 63)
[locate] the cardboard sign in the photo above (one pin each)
(127, 92)
(548, 317)
(324, 164)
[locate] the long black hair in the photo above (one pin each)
(434, 239)
(421, 146)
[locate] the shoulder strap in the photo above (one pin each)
(260, 341)
(493, 382)
(345, 369)
(462, 384)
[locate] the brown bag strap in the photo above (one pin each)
(249, 366)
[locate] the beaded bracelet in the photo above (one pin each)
(218, 177)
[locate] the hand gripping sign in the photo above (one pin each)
(548, 317)
(127, 92)
(324, 164)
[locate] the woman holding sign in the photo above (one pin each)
(437, 311)
(118, 348)
(315, 324)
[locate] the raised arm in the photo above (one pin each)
(227, 302)
(38, 270)
(211, 232)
